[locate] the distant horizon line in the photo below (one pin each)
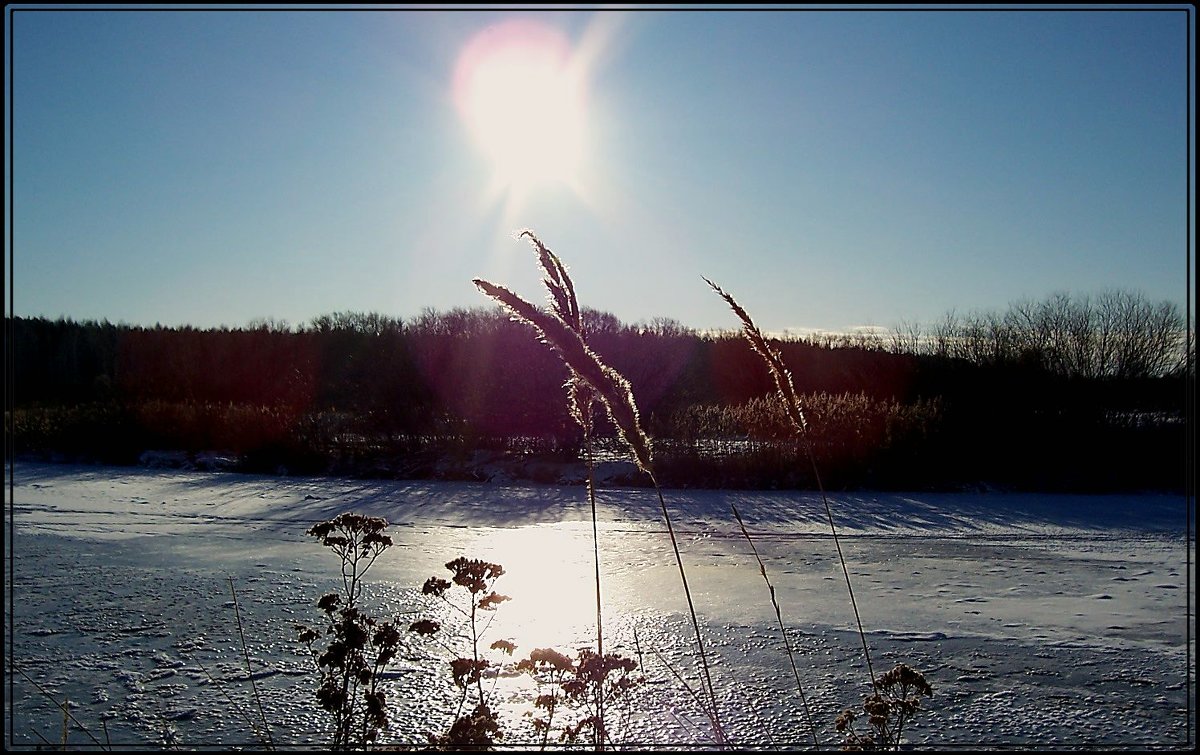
(791, 332)
(849, 333)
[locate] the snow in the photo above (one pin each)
(1042, 621)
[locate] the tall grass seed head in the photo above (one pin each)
(610, 386)
(560, 289)
(774, 360)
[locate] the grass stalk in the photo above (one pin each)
(795, 412)
(66, 711)
(591, 487)
(237, 612)
(779, 619)
(560, 291)
(845, 570)
(561, 328)
(240, 709)
(38, 734)
(711, 709)
(686, 687)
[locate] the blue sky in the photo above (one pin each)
(831, 169)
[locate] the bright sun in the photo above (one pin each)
(522, 98)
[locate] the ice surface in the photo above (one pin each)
(1046, 621)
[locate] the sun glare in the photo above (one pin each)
(548, 574)
(522, 98)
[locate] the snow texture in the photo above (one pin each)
(1042, 621)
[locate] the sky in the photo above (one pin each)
(832, 169)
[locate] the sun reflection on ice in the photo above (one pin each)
(549, 573)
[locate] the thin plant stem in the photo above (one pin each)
(241, 711)
(791, 404)
(711, 711)
(779, 618)
(38, 734)
(475, 652)
(237, 612)
(50, 697)
(591, 486)
(637, 646)
(562, 330)
(560, 291)
(845, 570)
(687, 687)
(550, 710)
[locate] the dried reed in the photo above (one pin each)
(237, 612)
(791, 403)
(561, 329)
(610, 386)
(779, 619)
(66, 709)
(560, 291)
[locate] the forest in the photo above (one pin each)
(1068, 393)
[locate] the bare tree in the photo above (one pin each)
(1117, 334)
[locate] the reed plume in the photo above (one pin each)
(560, 292)
(559, 287)
(561, 328)
(774, 360)
(792, 404)
(610, 386)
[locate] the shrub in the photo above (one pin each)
(358, 647)
(480, 727)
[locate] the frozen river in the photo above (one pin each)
(1042, 621)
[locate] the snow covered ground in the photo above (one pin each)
(1042, 621)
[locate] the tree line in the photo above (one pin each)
(1068, 392)
(1116, 334)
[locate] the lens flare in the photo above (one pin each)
(520, 93)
